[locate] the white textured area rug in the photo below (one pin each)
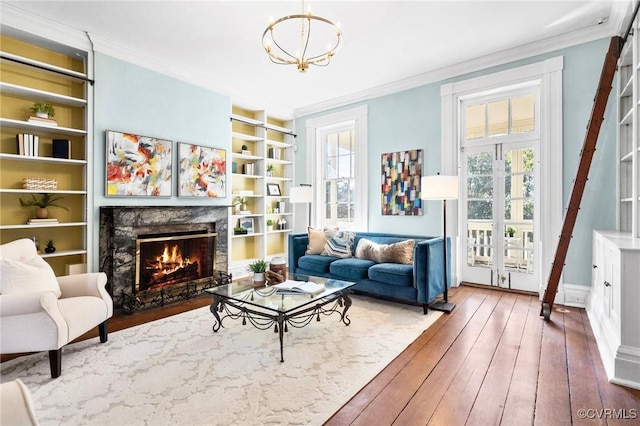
(177, 371)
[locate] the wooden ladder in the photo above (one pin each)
(586, 155)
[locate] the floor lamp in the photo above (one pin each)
(302, 194)
(440, 187)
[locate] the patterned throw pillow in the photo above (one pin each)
(339, 245)
(318, 238)
(401, 252)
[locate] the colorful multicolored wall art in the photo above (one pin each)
(203, 171)
(401, 173)
(138, 166)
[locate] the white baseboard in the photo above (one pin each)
(573, 295)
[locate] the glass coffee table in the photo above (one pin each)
(265, 307)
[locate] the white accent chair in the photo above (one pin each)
(42, 312)
(16, 406)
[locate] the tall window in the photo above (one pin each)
(339, 180)
(338, 168)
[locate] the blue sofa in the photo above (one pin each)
(419, 283)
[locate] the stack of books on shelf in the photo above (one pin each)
(248, 169)
(44, 121)
(28, 144)
(42, 221)
(274, 153)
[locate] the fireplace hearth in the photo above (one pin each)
(157, 255)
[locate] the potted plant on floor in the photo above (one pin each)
(511, 231)
(43, 203)
(258, 267)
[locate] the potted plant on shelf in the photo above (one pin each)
(269, 225)
(51, 247)
(239, 231)
(258, 267)
(43, 203)
(240, 204)
(43, 110)
(270, 170)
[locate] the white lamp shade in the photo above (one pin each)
(439, 187)
(301, 194)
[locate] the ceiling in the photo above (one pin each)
(388, 45)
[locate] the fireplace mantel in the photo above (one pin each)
(121, 225)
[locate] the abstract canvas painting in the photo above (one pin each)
(401, 173)
(203, 171)
(137, 166)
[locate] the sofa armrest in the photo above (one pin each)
(297, 247)
(428, 268)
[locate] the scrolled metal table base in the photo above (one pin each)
(280, 321)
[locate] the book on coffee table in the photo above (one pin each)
(298, 287)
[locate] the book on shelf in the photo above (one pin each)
(45, 121)
(298, 287)
(244, 212)
(61, 148)
(248, 168)
(274, 153)
(41, 221)
(28, 145)
(20, 142)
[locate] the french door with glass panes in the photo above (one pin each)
(499, 197)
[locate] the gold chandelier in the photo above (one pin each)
(288, 50)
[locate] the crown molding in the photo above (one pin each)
(15, 20)
(190, 76)
(32, 27)
(549, 45)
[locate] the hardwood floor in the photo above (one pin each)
(493, 361)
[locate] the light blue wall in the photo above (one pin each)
(133, 99)
(412, 119)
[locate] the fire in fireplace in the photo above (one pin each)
(164, 260)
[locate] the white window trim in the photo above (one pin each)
(357, 116)
(549, 74)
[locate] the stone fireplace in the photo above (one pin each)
(155, 255)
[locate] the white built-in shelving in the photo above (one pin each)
(269, 143)
(47, 72)
(613, 307)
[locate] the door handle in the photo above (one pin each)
(607, 284)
